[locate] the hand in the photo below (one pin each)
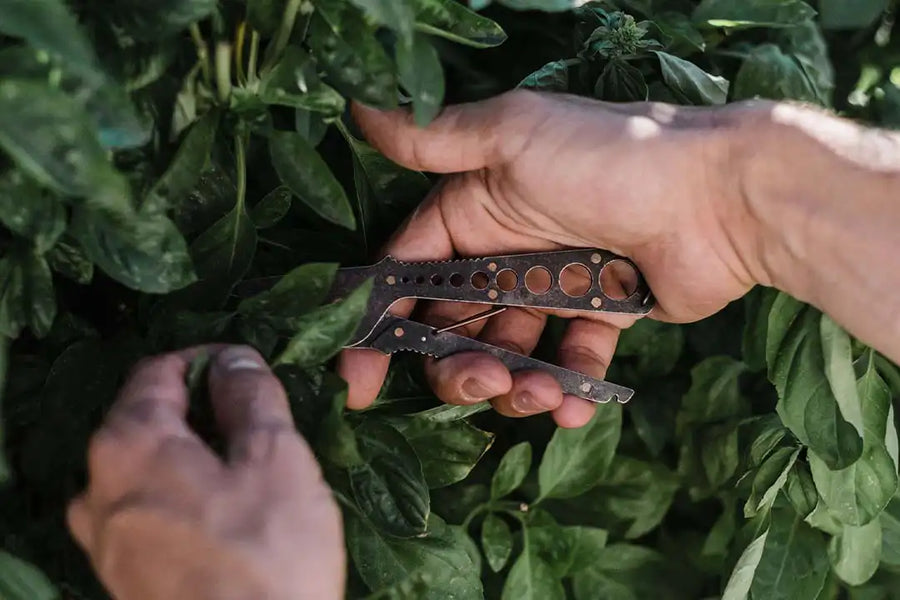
(164, 518)
(655, 183)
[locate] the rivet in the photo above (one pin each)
(596, 302)
(424, 339)
(492, 294)
(390, 280)
(399, 332)
(585, 387)
(596, 258)
(492, 266)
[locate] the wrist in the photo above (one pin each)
(784, 192)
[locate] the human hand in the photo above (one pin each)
(533, 172)
(164, 518)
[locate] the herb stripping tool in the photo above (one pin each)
(590, 280)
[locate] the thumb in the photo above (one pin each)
(463, 137)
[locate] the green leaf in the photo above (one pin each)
(335, 439)
(857, 494)
(530, 578)
(20, 580)
(448, 451)
(801, 490)
(620, 82)
(311, 125)
(850, 14)
(769, 480)
(26, 294)
(222, 255)
(272, 208)
(323, 332)
(806, 44)
(741, 578)
(146, 253)
(890, 533)
(296, 292)
(575, 459)
(752, 13)
(382, 561)
(691, 81)
(385, 191)
(552, 77)
(497, 541)
(794, 560)
(265, 15)
(4, 382)
(837, 353)
(656, 346)
(586, 543)
(49, 25)
(680, 30)
(714, 395)
(398, 15)
(180, 178)
(758, 304)
(302, 170)
(855, 553)
(68, 259)
(806, 402)
(389, 486)
(452, 20)
(30, 212)
(550, 542)
(421, 74)
(448, 413)
(626, 572)
(544, 5)
(164, 18)
(294, 82)
(511, 471)
(355, 63)
(630, 499)
(769, 73)
(50, 136)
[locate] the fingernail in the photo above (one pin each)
(475, 390)
(525, 402)
(239, 358)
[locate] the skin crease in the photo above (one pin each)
(706, 203)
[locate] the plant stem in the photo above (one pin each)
(240, 154)
(202, 54)
(239, 52)
(254, 54)
(223, 70)
(279, 43)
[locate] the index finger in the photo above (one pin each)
(422, 237)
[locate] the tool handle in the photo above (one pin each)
(585, 280)
(398, 334)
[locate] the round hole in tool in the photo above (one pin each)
(420, 279)
(404, 279)
(575, 280)
(618, 280)
(507, 280)
(436, 279)
(480, 280)
(538, 280)
(456, 280)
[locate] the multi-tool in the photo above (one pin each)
(577, 280)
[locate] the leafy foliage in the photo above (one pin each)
(183, 172)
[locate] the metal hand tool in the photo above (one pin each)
(580, 280)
